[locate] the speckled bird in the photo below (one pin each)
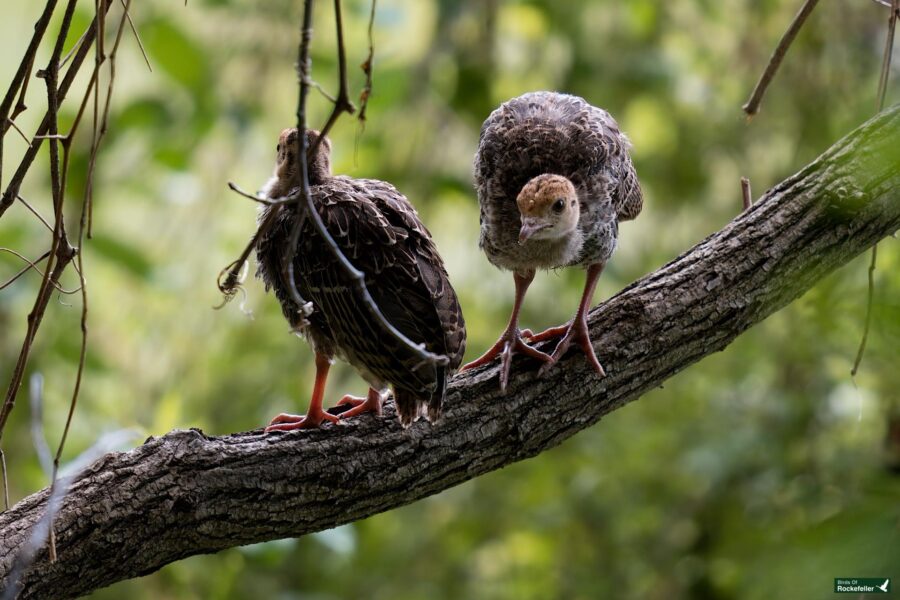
(380, 233)
(554, 178)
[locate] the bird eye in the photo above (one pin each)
(559, 205)
(278, 148)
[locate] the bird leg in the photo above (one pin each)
(371, 403)
(510, 341)
(315, 415)
(577, 330)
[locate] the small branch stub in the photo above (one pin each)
(746, 196)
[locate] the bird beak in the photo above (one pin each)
(530, 226)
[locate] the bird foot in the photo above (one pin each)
(547, 334)
(510, 343)
(371, 403)
(576, 331)
(311, 420)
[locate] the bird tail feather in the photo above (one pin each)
(411, 406)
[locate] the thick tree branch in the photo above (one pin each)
(185, 493)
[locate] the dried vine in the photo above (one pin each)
(62, 253)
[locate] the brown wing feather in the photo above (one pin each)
(548, 132)
(379, 231)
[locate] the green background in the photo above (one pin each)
(761, 472)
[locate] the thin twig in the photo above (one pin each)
(20, 103)
(229, 278)
(343, 105)
(23, 270)
(888, 52)
(745, 193)
(19, 131)
(57, 180)
(137, 36)
(322, 91)
(12, 188)
(303, 72)
(35, 212)
(366, 93)
(104, 123)
(752, 105)
(367, 68)
(869, 302)
(61, 251)
(65, 59)
(84, 224)
(33, 265)
(40, 28)
(64, 257)
(234, 188)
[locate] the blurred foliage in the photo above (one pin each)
(758, 473)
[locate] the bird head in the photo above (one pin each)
(548, 208)
(287, 167)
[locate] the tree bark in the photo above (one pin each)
(186, 493)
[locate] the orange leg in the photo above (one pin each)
(576, 331)
(315, 415)
(371, 403)
(510, 341)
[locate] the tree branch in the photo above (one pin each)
(756, 96)
(186, 493)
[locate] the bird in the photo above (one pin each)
(380, 233)
(554, 178)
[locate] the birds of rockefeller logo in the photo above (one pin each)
(862, 585)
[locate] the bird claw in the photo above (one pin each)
(547, 334)
(511, 342)
(312, 420)
(371, 403)
(576, 331)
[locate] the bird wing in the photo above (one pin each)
(270, 250)
(613, 161)
(548, 132)
(380, 233)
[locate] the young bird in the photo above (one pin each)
(554, 179)
(380, 233)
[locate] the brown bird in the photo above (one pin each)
(554, 179)
(380, 233)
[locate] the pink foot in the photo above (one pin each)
(288, 422)
(510, 343)
(371, 403)
(547, 334)
(577, 332)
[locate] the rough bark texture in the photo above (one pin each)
(185, 493)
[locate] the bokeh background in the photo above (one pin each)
(760, 472)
